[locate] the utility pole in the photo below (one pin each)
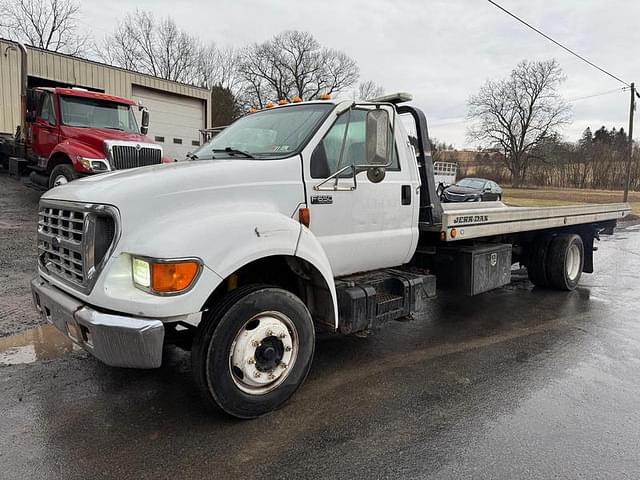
(630, 152)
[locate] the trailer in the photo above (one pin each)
(317, 216)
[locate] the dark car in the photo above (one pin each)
(472, 190)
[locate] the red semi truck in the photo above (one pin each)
(70, 132)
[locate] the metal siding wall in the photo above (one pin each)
(75, 71)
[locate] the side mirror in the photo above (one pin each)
(144, 129)
(378, 143)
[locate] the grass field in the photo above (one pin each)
(548, 197)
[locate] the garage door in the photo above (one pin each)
(174, 120)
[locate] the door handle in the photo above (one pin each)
(406, 194)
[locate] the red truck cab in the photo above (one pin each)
(75, 132)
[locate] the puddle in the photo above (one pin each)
(41, 343)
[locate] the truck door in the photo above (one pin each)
(44, 130)
(373, 225)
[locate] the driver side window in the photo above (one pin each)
(325, 159)
(46, 110)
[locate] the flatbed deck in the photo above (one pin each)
(485, 219)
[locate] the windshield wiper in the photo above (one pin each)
(115, 128)
(233, 151)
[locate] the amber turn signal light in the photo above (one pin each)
(304, 217)
(173, 277)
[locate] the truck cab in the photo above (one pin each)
(75, 132)
(318, 216)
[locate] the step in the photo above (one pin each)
(368, 299)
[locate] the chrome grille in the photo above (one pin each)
(74, 240)
(132, 156)
(60, 243)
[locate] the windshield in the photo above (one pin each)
(472, 183)
(275, 133)
(93, 113)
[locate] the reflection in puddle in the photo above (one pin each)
(41, 343)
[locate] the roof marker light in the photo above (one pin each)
(325, 96)
(269, 105)
(296, 99)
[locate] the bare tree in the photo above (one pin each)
(157, 47)
(293, 63)
(218, 67)
(368, 90)
(518, 113)
(48, 24)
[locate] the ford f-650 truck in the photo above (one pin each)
(318, 216)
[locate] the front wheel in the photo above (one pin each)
(253, 351)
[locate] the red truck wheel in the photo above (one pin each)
(62, 174)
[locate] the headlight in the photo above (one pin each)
(164, 277)
(94, 164)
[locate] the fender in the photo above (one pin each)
(225, 242)
(310, 250)
(73, 149)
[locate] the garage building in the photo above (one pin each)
(178, 111)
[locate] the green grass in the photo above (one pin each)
(549, 197)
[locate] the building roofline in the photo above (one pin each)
(102, 64)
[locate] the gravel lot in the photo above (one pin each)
(18, 223)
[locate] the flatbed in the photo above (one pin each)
(464, 221)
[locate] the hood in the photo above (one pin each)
(95, 137)
(185, 187)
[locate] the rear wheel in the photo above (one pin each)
(565, 261)
(537, 264)
(62, 174)
(253, 351)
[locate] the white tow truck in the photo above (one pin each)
(310, 217)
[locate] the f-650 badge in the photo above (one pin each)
(321, 199)
(471, 219)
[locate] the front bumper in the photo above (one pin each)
(117, 340)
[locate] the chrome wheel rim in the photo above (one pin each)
(263, 353)
(573, 262)
(60, 180)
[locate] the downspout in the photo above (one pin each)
(23, 86)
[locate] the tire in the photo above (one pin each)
(236, 347)
(63, 171)
(565, 261)
(537, 264)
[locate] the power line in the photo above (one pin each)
(608, 92)
(558, 43)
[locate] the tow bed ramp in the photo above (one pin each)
(462, 221)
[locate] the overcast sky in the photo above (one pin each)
(439, 50)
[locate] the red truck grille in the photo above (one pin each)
(132, 156)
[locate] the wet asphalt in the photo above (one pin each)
(516, 383)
